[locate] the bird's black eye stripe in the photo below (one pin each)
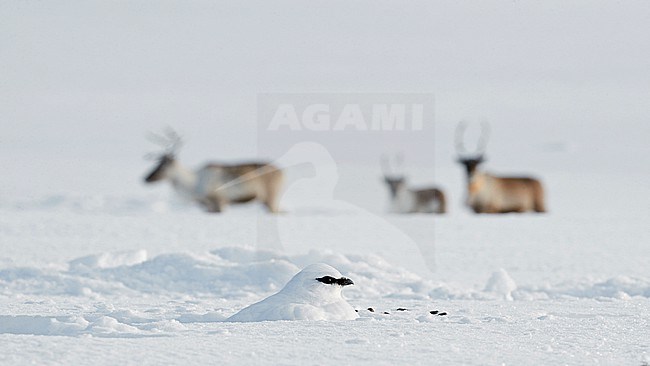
(327, 280)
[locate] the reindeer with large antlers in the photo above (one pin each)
(215, 186)
(406, 200)
(487, 193)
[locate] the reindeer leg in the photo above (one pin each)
(212, 205)
(272, 203)
(492, 209)
(442, 204)
(273, 191)
(272, 207)
(478, 208)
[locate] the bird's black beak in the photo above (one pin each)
(344, 281)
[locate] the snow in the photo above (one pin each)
(97, 267)
(501, 284)
(185, 297)
(75, 282)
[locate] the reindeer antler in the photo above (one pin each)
(169, 140)
(482, 140)
(460, 135)
(392, 169)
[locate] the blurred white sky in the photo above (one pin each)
(90, 77)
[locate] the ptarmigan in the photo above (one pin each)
(313, 294)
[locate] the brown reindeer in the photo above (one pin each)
(487, 193)
(405, 200)
(214, 186)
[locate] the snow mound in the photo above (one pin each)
(201, 274)
(97, 325)
(246, 275)
(109, 260)
(619, 287)
(42, 325)
(501, 284)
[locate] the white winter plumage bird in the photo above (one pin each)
(313, 294)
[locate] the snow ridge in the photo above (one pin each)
(243, 274)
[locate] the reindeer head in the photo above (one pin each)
(470, 164)
(159, 172)
(171, 142)
(393, 173)
(395, 184)
(471, 160)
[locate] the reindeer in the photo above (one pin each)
(405, 200)
(214, 186)
(487, 193)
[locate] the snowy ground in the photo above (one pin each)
(136, 285)
(97, 268)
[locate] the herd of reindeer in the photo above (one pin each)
(215, 186)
